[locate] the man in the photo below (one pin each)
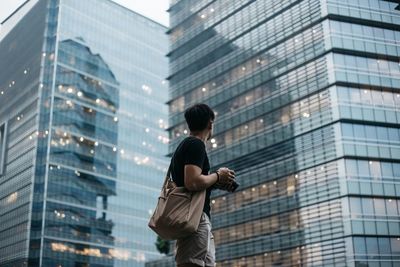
(190, 168)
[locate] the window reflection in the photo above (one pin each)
(297, 256)
(100, 252)
(372, 248)
(387, 171)
(377, 206)
(311, 106)
(267, 191)
(273, 224)
(263, 66)
(82, 141)
(372, 66)
(273, 120)
(271, 190)
(358, 132)
(375, 98)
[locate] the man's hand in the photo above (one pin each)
(226, 178)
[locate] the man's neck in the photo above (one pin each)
(201, 135)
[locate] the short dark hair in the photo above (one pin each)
(198, 116)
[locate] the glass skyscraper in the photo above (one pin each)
(307, 95)
(82, 134)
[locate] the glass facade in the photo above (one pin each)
(308, 113)
(82, 130)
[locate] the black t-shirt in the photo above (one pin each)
(191, 151)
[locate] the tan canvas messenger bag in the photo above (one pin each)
(178, 210)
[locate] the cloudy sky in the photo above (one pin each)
(154, 9)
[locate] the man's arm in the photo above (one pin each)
(196, 181)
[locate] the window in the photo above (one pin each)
(367, 206)
(382, 133)
(3, 131)
(363, 169)
(347, 130)
(355, 205)
(359, 131)
(357, 29)
(359, 245)
(375, 169)
(351, 167)
(343, 93)
(372, 246)
(379, 205)
(384, 246)
(393, 134)
(387, 169)
(391, 207)
(370, 132)
(395, 245)
(396, 169)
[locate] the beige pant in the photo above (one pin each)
(198, 248)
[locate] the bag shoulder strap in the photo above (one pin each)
(168, 176)
(170, 167)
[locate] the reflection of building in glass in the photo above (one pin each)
(308, 113)
(82, 134)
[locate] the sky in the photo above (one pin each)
(154, 9)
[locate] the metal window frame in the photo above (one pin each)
(3, 144)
